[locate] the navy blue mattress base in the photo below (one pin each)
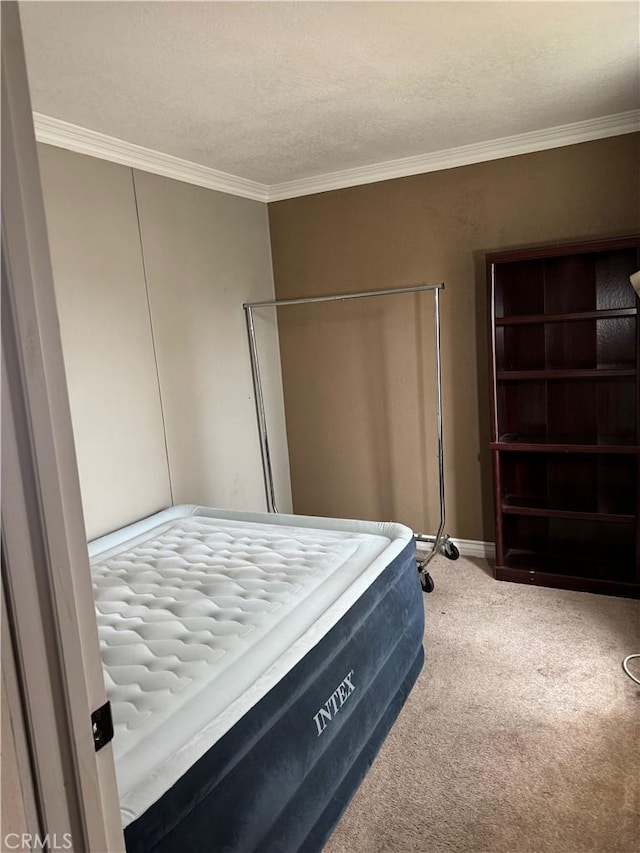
(279, 780)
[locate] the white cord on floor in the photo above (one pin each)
(626, 668)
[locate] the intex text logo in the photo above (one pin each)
(30, 841)
(334, 703)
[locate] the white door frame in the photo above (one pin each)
(45, 569)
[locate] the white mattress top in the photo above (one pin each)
(200, 612)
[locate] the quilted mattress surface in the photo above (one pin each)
(201, 612)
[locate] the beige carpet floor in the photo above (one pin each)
(522, 734)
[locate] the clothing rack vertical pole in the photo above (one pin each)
(267, 470)
(437, 540)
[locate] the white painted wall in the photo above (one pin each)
(205, 253)
(106, 338)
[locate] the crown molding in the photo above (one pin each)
(465, 155)
(62, 134)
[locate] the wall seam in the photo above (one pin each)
(153, 337)
(289, 495)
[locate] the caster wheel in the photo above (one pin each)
(426, 581)
(450, 551)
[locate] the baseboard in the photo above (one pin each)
(467, 548)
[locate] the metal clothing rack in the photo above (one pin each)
(441, 542)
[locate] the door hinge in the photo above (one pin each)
(102, 726)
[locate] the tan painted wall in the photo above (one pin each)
(359, 404)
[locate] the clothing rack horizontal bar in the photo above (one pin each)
(341, 296)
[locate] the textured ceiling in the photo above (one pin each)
(281, 91)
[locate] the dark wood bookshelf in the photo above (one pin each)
(565, 394)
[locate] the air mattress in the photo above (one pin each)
(254, 663)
